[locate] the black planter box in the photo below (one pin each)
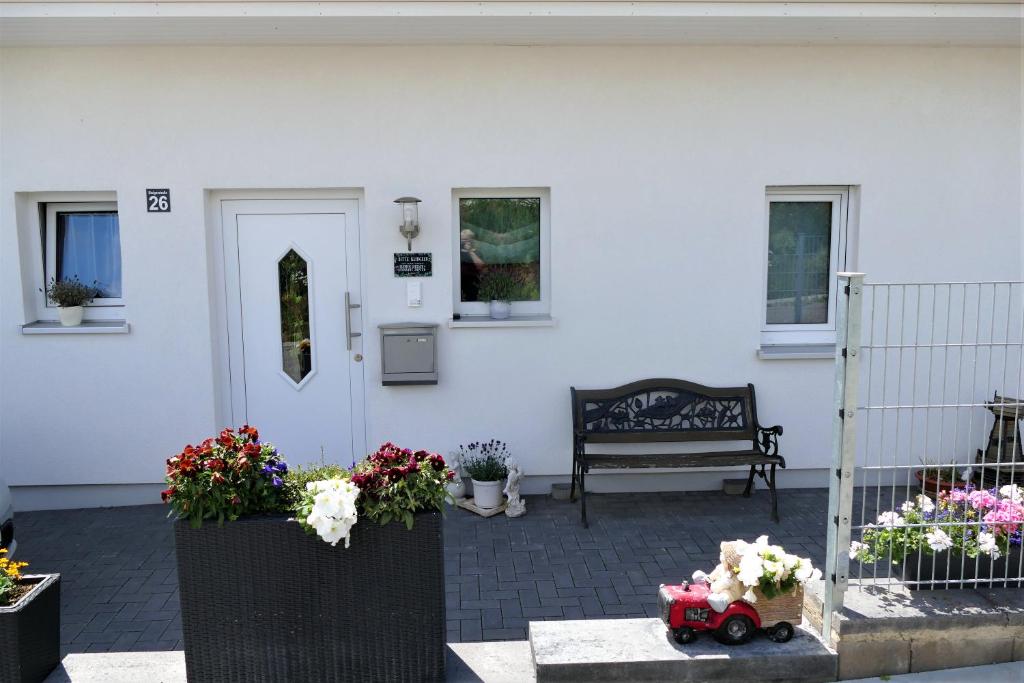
(30, 632)
(263, 601)
(990, 574)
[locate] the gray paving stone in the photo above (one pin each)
(119, 575)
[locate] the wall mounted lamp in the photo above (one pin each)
(410, 226)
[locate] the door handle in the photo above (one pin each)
(349, 334)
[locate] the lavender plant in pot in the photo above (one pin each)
(486, 464)
(500, 288)
(70, 295)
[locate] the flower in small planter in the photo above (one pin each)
(224, 477)
(10, 577)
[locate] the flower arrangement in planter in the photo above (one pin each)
(372, 608)
(29, 622)
(486, 463)
(225, 477)
(967, 535)
(500, 287)
(70, 295)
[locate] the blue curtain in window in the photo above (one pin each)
(89, 247)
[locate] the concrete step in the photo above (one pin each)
(643, 650)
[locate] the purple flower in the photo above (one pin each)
(276, 481)
(282, 467)
(268, 469)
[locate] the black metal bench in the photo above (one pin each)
(671, 410)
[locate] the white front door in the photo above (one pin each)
(295, 372)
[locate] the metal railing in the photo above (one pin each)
(926, 444)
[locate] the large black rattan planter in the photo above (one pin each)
(263, 601)
(989, 574)
(30, 632)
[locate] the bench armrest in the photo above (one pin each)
(768, 439)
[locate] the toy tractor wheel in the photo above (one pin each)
(781, 632)
(735, 630)
(684, 635)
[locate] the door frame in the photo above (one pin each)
(225, 365)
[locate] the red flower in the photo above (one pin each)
(166, 494)
(226, 438)
(450, 475)
(251, 432)
(242, 463)
(214, 464)
(251, 449)
(236, 500)
(217, 478)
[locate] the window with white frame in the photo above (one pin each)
(501, 234)
(83, 240)
(806, 239)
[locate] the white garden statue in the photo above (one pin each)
(456, 486)
(516, 506)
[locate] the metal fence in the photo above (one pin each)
(926, 445)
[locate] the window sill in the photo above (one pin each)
(514, 321)
(796, 351)
(87, 327)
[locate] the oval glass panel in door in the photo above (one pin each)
(296, 345)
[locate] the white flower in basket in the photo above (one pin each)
(330, 507)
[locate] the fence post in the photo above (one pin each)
(840, 488)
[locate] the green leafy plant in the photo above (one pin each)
(485, 460)
(68, 293)
(500, 285)
(293, 493)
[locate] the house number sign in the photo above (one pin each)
(158, 201)
(414, 265)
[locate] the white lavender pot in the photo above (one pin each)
(487, 494)
(70, 316)
(500, 310)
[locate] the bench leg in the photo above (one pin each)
(572, 486)
(583, 496)
(750, 481)
(775, 502)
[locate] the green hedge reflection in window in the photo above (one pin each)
(500, 233)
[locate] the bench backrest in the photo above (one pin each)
(664, 410)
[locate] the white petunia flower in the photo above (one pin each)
(987, 544)
(938, 540)
(856, 547)
(1013, 492)
(751, 570)
(925, 503)
(890, 519)
(333, 511)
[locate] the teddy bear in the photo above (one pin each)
(724, 588)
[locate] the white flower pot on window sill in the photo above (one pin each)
(487, 494)
(500, 310)
(70, 316)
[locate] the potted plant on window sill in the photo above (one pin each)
(500, 288)
(70, 296)
(29, 623)
(486, 464)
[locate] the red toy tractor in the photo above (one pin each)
(685, 610)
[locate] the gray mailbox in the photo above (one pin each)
(408, 353)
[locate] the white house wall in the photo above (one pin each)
(657, 160)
